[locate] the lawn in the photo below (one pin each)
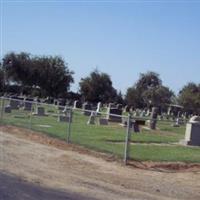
(159, 145)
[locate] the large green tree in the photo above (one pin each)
(148, 91)
(133, 97)
(189, 98)
(47, 73)
(17, 68)
(52, 75)
(97, 87)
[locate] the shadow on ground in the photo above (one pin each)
(14, 188)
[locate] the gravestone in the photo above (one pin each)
(66, 110)
(114, 114)
(91, 118)
(55, 102)
(103, 121)
(63, 118)
(126, 108)
(142, 114)
(67, 117)
(119, 106)
(28, 104)
(148, 113)
(192, 133)
(40, 111)
(135, 127)
(14, 104)
(77, 104)
(7, 109)
(137, 113)
(153, 120)
(98, 107)
(87, 109)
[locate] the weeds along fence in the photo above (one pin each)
(73, 125)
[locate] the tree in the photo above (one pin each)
(49, 76)
(148, 91)
(52, 76)
(189, 98)
(147, 81)
(119, 98)
(17, 68)
(97, 87)
(132, 97)
(158, 96)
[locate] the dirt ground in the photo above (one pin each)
(34, 166)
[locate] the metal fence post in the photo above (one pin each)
(127, 141)
(69, 126)
(30, 120)
(2, 107)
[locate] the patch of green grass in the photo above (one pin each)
(111, 138)
(165, 153)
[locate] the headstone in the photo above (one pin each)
(114, 114)
(98, 107)
(91, 118)
(103, 121)
(153, 120)
(7, 109)
(135, 127)
(169, 111)
(137, 113)
(77, 104)
(119, 106)
(66, 110)
(28, 104)
(55, 102)
(14, 104)
(87, 109)
(142, 114)
(148, 113)
(67, 117)
(192, 133)
(63, 118)
(126, 108)
(40, 111)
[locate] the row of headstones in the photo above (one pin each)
(118, 109)
(15, 104)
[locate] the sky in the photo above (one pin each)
(121, 38)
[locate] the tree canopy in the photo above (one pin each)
(97, 87)
(148, 91)
(189, 98)
(47, 73)
(49, 76)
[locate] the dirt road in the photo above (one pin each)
(31, 169)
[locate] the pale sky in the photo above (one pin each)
(121, 38)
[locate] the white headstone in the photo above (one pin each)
(192, 133)
(98, 107)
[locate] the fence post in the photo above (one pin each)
(69, 126)
(2, 107)
(30, 120)
(127, 141)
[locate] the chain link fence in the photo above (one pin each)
(99, 131)
(121, 136)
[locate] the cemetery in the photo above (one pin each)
(151, 139)
(100, 100)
